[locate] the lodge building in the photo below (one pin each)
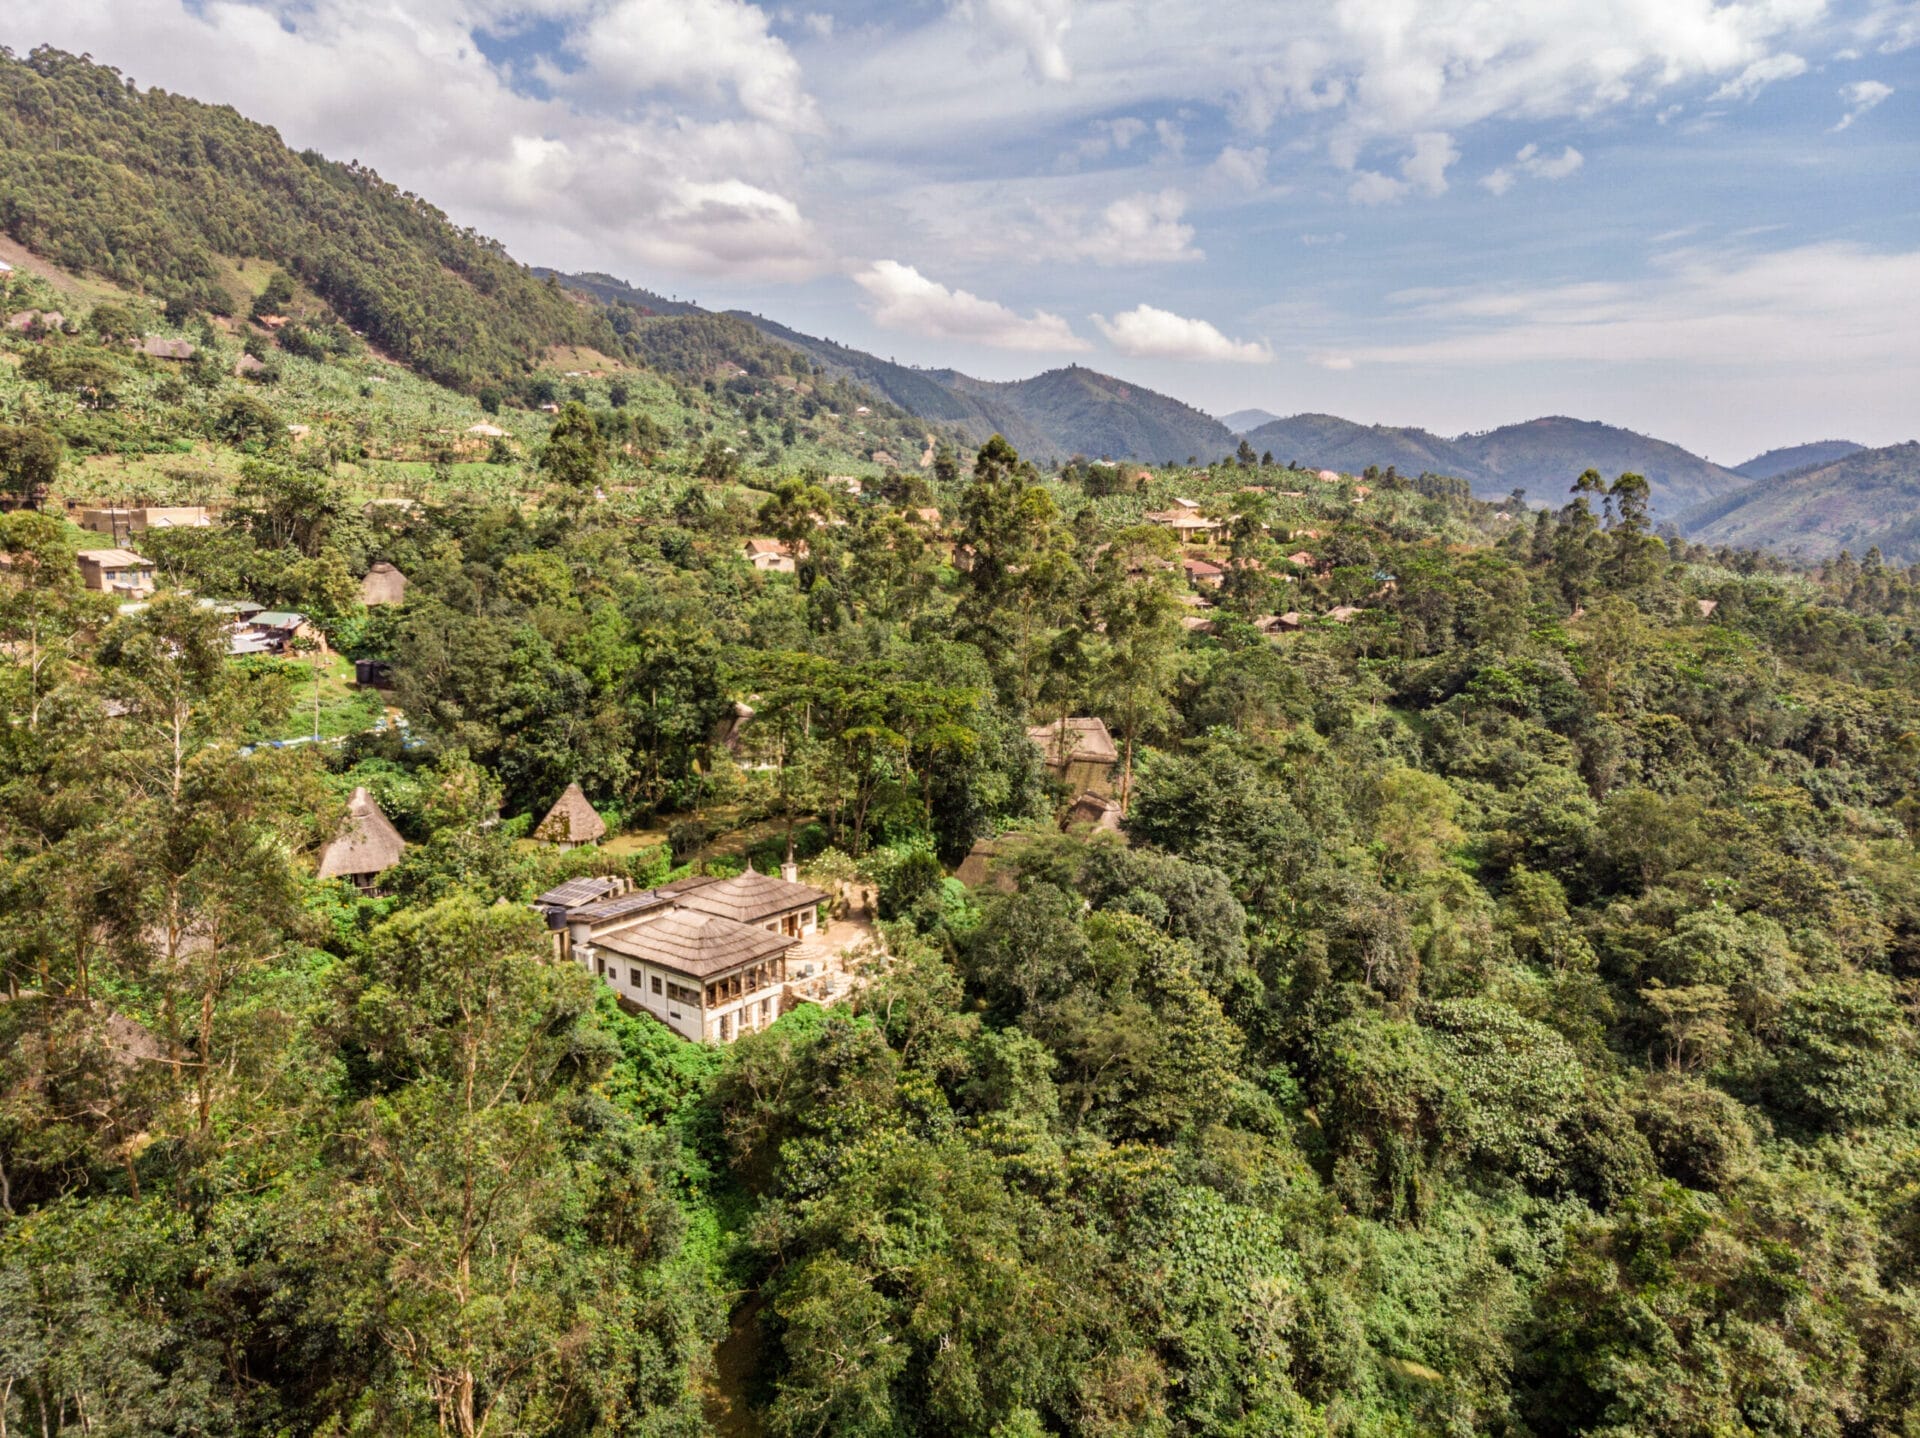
(709, 958)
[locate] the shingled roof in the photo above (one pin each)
(696, 944)
(368, 842)
(571, 820)
(751, 898)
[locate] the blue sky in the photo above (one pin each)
(1697, 218)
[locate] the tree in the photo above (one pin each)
(1134, 603)
(30, 458)
(575, 453)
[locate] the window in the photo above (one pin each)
(633, 977)
(656, 983)
(679, 995)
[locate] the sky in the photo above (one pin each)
(1699, 219)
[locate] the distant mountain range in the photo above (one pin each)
(1868, 497)
(1051, 416)
(1242, 420)
(1776, 462)
(1541, 456)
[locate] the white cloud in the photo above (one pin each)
(1370, 187)
(905, 299)
(1148, 333)
(1813, 306)
(1861, 96)
(1760, 74)
(1359, 75)
(1891, 26)
(1241, 169)
(1036, 27)
(633, 50)
(1424, 170)
(1140, 229)
(692, 173)
(1533, 162)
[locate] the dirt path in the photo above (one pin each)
(735, 1362)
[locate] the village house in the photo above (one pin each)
(155, 348)
(571, 822)
(770, 556)
(281, 631)
(1202, 572)
(115, 571)
(1080, 750)
(367, 846)
(139, 519)
(1186, 521)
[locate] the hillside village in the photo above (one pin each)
(570, 866)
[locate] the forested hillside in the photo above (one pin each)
(1477, 992)
(1058, 414)
(1325, 441)
(1867, 500)
(166, 195)
(1492, 1015)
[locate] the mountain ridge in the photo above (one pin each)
(1865, 500)
(1546, 453)
(1794, 457)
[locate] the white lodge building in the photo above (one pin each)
(706, 957)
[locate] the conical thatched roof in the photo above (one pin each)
(368, 842)
(383, 585)
(571, 820)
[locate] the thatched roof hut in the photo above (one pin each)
(368, 845)
(383, 585)
(571, 821)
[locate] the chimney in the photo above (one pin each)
(790, 871)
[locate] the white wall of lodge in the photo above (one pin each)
(682, 1005)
